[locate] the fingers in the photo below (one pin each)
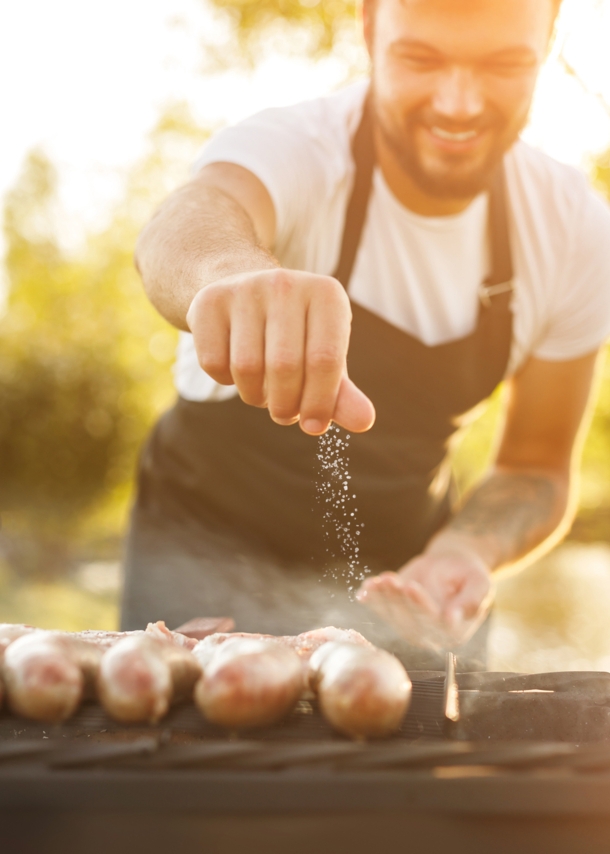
(406, 607)
(284, 348)
(353, 410)
(328, 329)
(471, 603)
(391, 585)
(282, 337)
(247, 349)
(433, 602)
(208, 320)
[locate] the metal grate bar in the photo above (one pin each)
(102, 754)
(11, 750)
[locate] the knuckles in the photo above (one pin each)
(247, 367)
(324, 360)
(331, 290)
(211, 298)
(284, 364)
(280, 282)
(214, 365)
(213, 306)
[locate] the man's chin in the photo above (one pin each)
(444, 175)
(453, 182)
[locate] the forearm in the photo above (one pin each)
(509, 515)
(199, 235)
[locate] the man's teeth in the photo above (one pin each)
(464, 136)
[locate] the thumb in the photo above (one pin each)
(353, 410)
(473, 600)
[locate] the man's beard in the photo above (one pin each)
(456, 180)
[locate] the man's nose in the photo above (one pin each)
(458, 96)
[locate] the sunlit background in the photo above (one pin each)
(103, 107)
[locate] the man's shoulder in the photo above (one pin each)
(313, 135)
(557, 190)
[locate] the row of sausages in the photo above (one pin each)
(236, 680)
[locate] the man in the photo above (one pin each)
(393, 247)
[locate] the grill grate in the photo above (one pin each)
(151, 754)
(499, 712)
(424, 719)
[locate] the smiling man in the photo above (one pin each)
(391, 249)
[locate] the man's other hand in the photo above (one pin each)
(281, 336)
(436, 601)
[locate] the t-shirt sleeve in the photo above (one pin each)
(579, 321)
(289, 152)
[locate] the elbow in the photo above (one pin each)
(145, 264)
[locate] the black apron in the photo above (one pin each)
(228, 463)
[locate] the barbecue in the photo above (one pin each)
(511, 761)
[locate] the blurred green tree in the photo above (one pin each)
(313, 28)
(84, 359)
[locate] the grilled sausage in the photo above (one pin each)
(363, 692)
(307, 643)
(247, 682)
(9, 632)
(304, 644)
(47, 674)
(142, 675)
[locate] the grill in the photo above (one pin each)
(527, 767)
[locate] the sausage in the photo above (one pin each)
(9, 632)
(247, 682)
(307, 643)
(47, 674)
(142, 675)
(304, 644)
(363, 692)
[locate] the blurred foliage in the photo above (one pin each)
(313, 28)
(554, 616)
(84, 359)
(58, 603)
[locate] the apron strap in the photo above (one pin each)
(363, 154)
(498, 284)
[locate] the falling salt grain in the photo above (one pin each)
(340, 532)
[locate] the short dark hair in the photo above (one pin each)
(556, 6)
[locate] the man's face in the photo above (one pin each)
(453, 82)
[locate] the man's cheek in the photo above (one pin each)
(399, 88)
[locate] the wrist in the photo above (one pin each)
(455, 543)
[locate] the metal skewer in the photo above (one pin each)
(451, 701)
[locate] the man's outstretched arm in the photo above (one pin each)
(219, 224)
(281, 336)
(521, 508)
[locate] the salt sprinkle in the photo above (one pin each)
(339, 518)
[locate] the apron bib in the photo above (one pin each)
(228, 463)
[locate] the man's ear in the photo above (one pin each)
(368, 20)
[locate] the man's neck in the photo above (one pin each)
(406, 190)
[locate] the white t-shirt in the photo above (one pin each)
(422, 274)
